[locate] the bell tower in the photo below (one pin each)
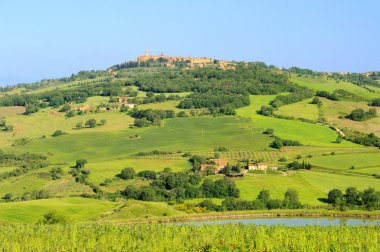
(146, 52)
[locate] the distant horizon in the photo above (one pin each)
(195, 56)
(49, 39)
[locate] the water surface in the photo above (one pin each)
(290, 222)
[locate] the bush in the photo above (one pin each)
(53, 217)
(58, 133)
(91, 123)
(127, 173)
(147, 174)
(80, 163)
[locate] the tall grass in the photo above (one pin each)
(156, 237)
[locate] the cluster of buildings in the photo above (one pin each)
(220, 164)
(121, 102)
(190, 62)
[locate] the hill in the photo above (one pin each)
(154, 136)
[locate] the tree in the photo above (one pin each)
(335, 197)
(53, 217)
(127, 173)
(103, 122)
(79, 125)
(58, 133)
(291, 199)
(264, 196)
(70, 113)
(65, 108)
(147, 194)
(130, 192)
(91, 123)
(352, 196)
(80, 163)
(7, 197)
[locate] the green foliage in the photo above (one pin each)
(127, 173)
(375, 102)
(145, 118)
(56, 173)
(91, 123)
(80, 163)
(53, 217)
(154, 237)
(368, 199)
(147, 174)
(58, 133)
(295, 165)
(291, 200)
(361, 115)
(299, 94)
(265, 110)
(278, 143)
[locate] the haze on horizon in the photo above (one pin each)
(51, 39)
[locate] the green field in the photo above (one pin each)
(160, 237)
(251, 185)
(333, 110)
(185, 134)
(323, 84)
(47, 121)
(345, 161)
(302, 109)
(306, 133)
(110, 168)
(79, 209)
(41, 179)
(326, 181)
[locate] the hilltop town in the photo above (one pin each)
(188, 62)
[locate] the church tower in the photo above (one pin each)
(146, 52)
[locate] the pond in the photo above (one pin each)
(290, 222)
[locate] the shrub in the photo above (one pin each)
(127, 173)
(58, 133)
(53, 217)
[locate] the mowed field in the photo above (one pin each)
(184, 134)
(346, 161)
(322, 84)
(306, 133)
(86, 210)
(47, 121)
(311, 185)
(110, 168)
(40, 179)
(302, 109)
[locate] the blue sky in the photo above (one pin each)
(44, 39)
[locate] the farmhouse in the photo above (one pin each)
(258, 166)
(122, 99)
(83, 108)
(205, 166)
(219, 164)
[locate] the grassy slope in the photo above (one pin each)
(320, 84)
(78, 209)
(301, 109)
(345, 161)
(109, 168)
(41, 179)
(250, 186)
(334, 109)
(82, 210)
(306, 133)
(327, 181)
(186, 134)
